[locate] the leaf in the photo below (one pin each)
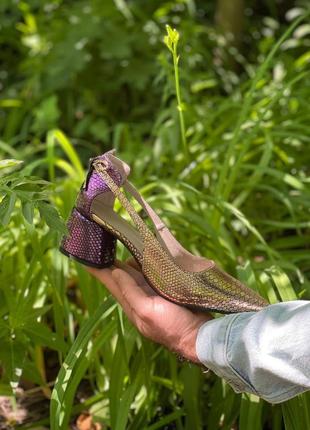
(42, 335)
(36, 313)
(10, 162)
(303, 60)
(52, 217)
(7, 103)
(118, 374)
(46, 115)
(74, 364)
(241, 217)
(28, 211)
(283, 284)
(191, 394)
(302, 31)
(124, 406)
(59, 136)
(198, 86)
(167, 419)
(6, 390)
(247, 276)
(6, 208)
(250, 412)
(286, 177)
(12, 356)
(124, 9)
(296, 411)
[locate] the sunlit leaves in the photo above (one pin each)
(29, 193)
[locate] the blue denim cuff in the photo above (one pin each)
(243, 349)
(211, 349)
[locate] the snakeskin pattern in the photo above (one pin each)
(211, 289)
(94, 185)
(88, 243)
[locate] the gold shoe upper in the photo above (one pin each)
(210, 289)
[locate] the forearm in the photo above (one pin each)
(266, 353)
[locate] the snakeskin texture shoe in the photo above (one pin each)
(174, 273)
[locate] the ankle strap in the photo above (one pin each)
(101, 167)
(161, 230)
(108, 160)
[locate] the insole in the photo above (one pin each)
(107, 214)
(182, 257)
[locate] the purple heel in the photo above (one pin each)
(87, 242)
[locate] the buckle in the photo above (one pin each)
(98, 165)
(101, 164)
(101, 167)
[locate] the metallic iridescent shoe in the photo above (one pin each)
(171, 270)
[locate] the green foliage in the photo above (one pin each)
(30, 193)
(226, 166)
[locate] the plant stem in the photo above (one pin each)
(179, 101)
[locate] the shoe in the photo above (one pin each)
(171, 270)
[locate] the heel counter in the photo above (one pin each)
(95, 185)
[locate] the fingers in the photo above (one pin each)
(156, 318)
(124, 288)
(105, 276)
(137, 275)
(131, 291)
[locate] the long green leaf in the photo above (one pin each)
(60, 409)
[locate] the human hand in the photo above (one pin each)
(156, 318)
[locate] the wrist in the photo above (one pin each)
(186, 347)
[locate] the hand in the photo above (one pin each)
(156, 318)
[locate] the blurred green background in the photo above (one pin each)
(78, 78)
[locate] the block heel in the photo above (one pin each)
(87, 242)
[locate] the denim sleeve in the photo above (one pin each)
(266, 353)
